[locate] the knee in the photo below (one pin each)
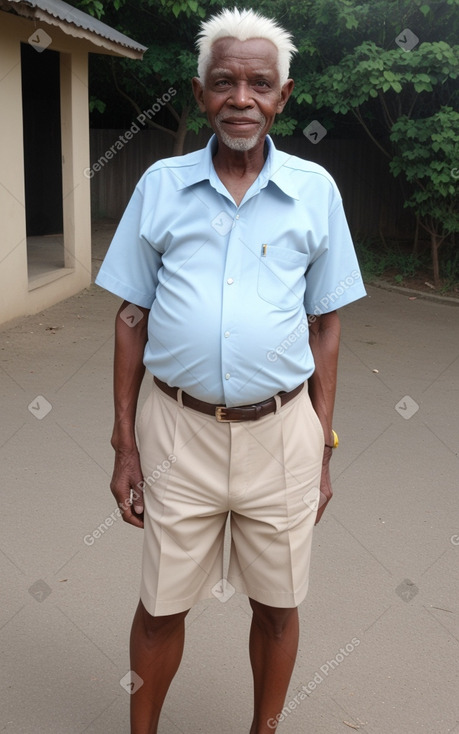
(159, 627)
(274, 621)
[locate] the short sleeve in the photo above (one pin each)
(130, 268)
(333, 279)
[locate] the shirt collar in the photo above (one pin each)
(274, 170)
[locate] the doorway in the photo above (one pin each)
(42, 160)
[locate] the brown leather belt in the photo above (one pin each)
(236, 414)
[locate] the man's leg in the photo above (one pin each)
(156, 651)
(273, 648)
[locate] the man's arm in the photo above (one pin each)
(129, 370)
(324, 336)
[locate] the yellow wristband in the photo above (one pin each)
(335, 441)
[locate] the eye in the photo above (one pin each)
(261, 83)
(222, 83)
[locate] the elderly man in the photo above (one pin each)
(220, 257)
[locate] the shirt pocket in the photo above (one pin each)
(281, 277)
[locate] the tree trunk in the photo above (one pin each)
(416, 237)
(435, 244)
(180, 135)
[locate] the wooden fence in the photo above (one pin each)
(373, 199)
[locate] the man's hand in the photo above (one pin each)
(126, 486)
(326, 492)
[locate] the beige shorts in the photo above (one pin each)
(264, 474)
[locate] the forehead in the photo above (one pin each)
(255, 53)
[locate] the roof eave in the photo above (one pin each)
(102, 45)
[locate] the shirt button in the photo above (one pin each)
(227, 376)
(237, 216)
(230, 281)
(227, 333)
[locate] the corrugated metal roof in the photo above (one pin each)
(66, 13)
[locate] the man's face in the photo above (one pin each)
(241, 93)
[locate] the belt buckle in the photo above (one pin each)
(219, 416)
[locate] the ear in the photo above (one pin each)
(285, 93)
(198, 91)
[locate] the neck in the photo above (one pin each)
(240, 162)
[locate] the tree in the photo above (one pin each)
(428, 148)
(401, 90)
(170, 60)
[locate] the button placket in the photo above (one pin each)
(230, 306)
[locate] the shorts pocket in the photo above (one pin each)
(143, 417)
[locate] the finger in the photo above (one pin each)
(129, 513)
(324, 499)
(137, 499)
(133, 519)
(124, 501)
(320, 512)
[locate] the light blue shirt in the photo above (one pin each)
(229, 286)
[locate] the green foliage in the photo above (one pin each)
(371, 72)
(352, 71)
(394, 262)
(96, 104)
(450, 269)
(390, 261)
(428, 149)
(189, 8)
(402, 94)
(96, 7)
(196, 120)
(93, 7)
(284, 126)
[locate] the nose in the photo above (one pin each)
(241, 96)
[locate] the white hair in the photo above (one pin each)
(244, 25)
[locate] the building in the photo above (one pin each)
(45, 233)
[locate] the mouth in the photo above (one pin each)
(241, 121)
(240, 128)
(240, 125)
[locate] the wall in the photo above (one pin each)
(13, 253)
(18, 295)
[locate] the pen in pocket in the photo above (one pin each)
(264, 247)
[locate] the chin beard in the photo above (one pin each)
(240, 144)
